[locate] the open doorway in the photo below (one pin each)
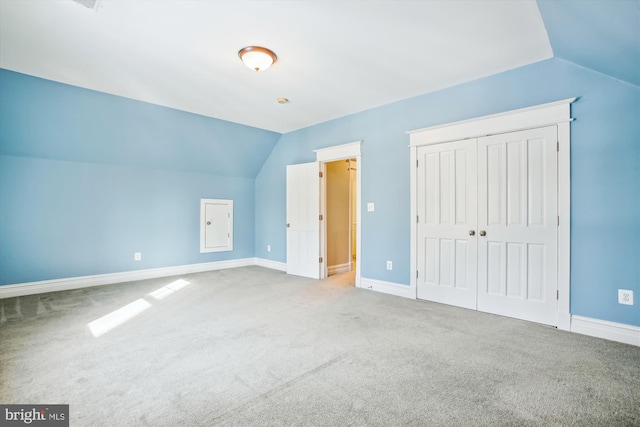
(341, 219)
(306, 208)
(341, 154)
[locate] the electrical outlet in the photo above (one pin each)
(137, 256)
(370, 207)
(625, 296)
(389, 265)
(268, 248)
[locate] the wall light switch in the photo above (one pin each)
(268, 248)
(370, 207)
(137, 256)
(389, 265)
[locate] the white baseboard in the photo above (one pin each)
(338, 268)
(43, 286)
(582, 325)
(397, 289)
(274, 265)
(619, 332)
(608, 330)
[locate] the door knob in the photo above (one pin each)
(483, 233)
(472, 232)
(208, 222)
(288, 225)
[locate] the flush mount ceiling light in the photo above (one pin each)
(257, 58)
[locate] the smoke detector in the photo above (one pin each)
(91, 4)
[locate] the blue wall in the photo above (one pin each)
(87, 179)
(64, 219)
(605, 175)
(49, 120)
(602, 35)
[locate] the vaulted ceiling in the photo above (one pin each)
(335, 58)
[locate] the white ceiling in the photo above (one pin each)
(335, 58)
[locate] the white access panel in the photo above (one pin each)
(446, 217)
(216, 225)
(303, 220)
(517, 222)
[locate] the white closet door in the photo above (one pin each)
(303, 220)
(517, 213)
(447, 252)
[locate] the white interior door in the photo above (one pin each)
(303, 220)
(517, 224)
(447, 210)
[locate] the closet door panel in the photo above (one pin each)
(447, 209)
(517, 222)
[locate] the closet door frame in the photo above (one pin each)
(555, 113)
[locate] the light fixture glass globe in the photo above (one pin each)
(257, 58)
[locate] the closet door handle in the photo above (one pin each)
(483, 233)
(472, 232)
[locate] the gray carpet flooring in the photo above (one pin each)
(255, 347)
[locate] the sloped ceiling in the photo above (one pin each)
(334, 57)
(603, 35)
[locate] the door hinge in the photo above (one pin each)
(558, 219)
(557, 295)
(417, 219)
(557, 146)
(320, 260)
(320, 217)
(320, 174)
(416, 162)
(416, 274)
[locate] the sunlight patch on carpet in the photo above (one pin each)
(116, 318)
(169, 289)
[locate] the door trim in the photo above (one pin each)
(536, 116)
(331, 154)
(551, 114)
